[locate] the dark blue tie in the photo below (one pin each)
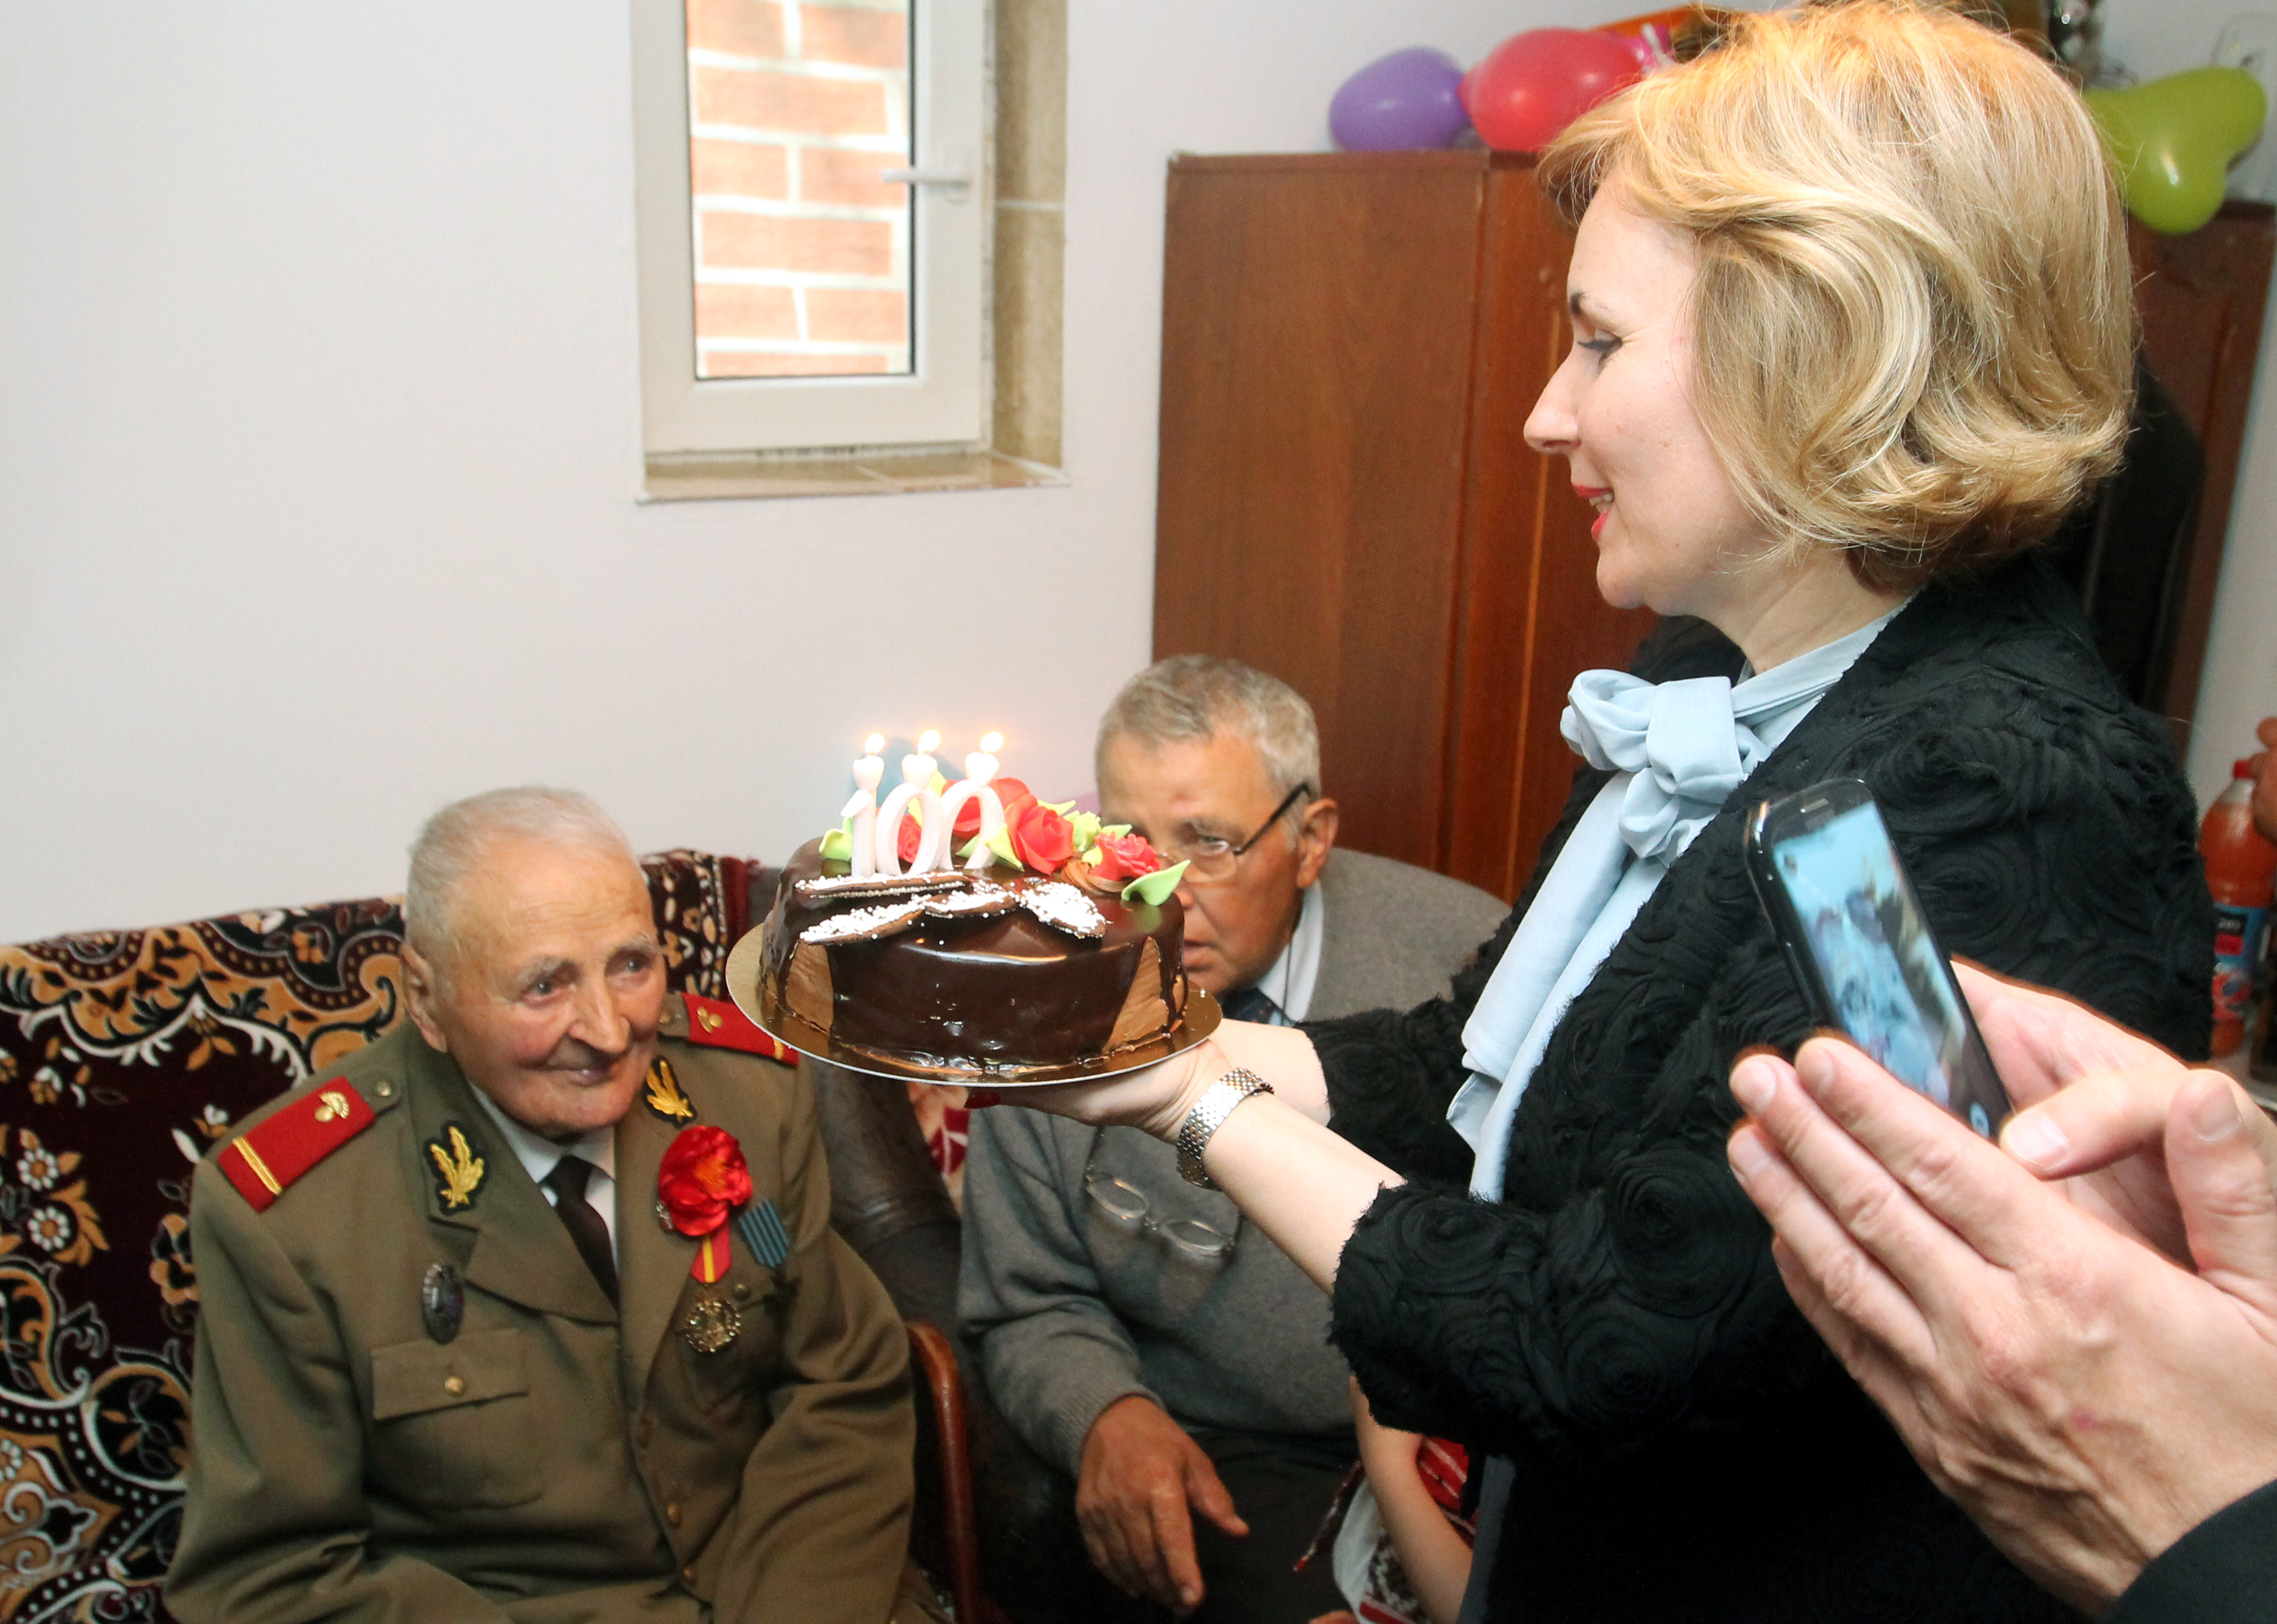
(1248, 1003)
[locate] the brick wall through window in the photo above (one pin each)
(802, 254)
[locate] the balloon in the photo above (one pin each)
(1534, 84)
(2172, 139)
(1406, 99)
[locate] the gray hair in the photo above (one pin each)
(1195, 696)
(454, 841)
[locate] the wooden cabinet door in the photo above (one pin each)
(1352, 343)
(1531, 618)
(2202, 298)
(1319, 325)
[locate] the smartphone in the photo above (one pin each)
(1860, 945)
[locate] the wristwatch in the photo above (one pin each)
(1210, 1113)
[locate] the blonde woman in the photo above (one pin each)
(1851, 332)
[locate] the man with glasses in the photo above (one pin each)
(1166, 1358)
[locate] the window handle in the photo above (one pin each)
(952, 177)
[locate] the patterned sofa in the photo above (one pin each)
(124, 1055)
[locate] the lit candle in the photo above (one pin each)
(916, 784)
(863, 808)
(979, 770)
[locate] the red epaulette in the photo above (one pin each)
(718, 1024)
(264, 1160)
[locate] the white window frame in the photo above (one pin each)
(943, 400)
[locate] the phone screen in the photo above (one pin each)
(1881, 975)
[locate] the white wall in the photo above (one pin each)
(319, 436)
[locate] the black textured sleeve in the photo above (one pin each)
(2223, 1571)
(1392, 1073)
(1623, 1284)
(2068, 861)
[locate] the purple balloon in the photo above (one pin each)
(1411, 98)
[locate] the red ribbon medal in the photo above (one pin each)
(700, 1182)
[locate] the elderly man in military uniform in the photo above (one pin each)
(531, 1310)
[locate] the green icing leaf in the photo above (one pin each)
(1084, 827)
(1155, 888)
(1063, 808)
(838, 844)
(1117, 830)
(1001, 843)
(972, 845)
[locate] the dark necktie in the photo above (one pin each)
(568, 1182)
(1249, 1004)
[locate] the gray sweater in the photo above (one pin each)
(1073, 1310)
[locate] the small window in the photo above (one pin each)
(813, 223)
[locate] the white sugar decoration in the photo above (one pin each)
(1063, 908)
(864, 924)
(820, 890)
(981, 900)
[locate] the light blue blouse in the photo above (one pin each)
(1678, 749)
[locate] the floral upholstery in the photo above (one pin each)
(124, 1055)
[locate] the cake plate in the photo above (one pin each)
(746, 986)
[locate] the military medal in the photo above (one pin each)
(761, 1229)
(442, 1301)
(704, 1191)
(712, 1323)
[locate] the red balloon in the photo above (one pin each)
(1534, 84)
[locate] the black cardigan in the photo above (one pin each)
(1686, 1447)
(2223, 1571)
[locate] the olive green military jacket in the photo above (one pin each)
(557, 1459)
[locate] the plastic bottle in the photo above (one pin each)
(2240, 866)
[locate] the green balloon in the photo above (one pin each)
(2173, 138)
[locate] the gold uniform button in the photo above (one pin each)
(672, 1513)
(454, 1384)
(688, 1577)
(742, 1292)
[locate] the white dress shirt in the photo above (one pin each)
(1289, 984)
(539, 1154)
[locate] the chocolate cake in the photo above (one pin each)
(999, 974)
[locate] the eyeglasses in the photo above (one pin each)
(1124, 1205)
(1213, 861)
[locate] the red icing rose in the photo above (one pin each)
(912, 833)
(1015, 795)
(968, 816)
(1123, 858)
(1041, 837)
(702, 1177)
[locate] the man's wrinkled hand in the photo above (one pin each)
(2084, 1400)
(1140, 1474)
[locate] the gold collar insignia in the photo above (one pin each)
(664, 1097)
(460, 1168)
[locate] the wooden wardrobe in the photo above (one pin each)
(1350, 344)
